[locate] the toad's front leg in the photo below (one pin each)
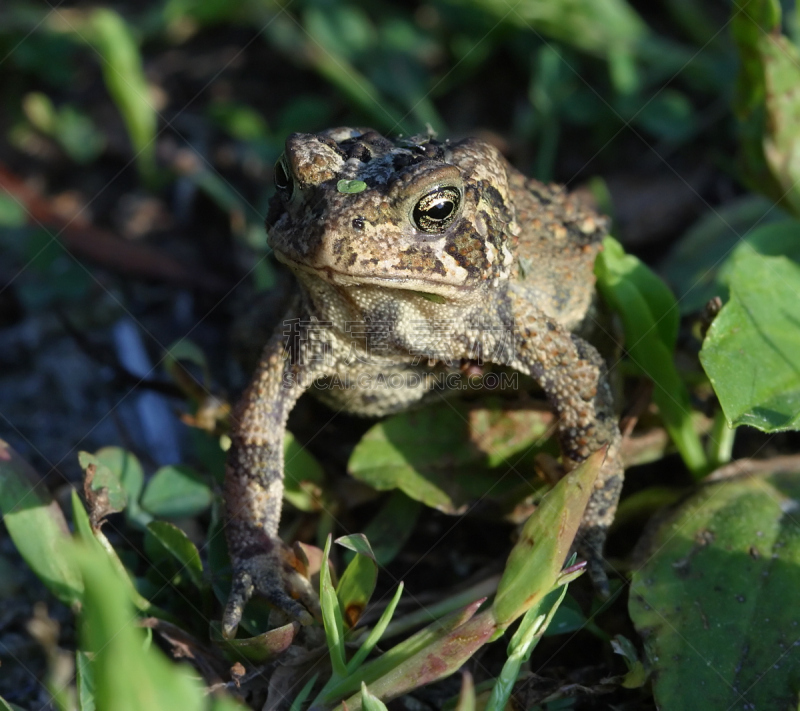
(263, 564)
(573, 375)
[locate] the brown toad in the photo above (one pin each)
(412, 256)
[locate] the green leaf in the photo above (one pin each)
(129, 675)
(259, 649)
(370, 702)
(358, 580)
(37, 526)
(693, 264)
(534, 564)
(752, 350)
(84, 682)
(186, 350)
(96, 539)
(182, 549)
(351, 186)
(303, 476)
(105, 478)
(435, 661)
(606, 27)
(125, 80)
(385, 664)
(714, 599)
(466, 698)
(299, 700)
(443, 455)
(128, 471)
(433, 298)
(767, 103)
(376, 632)
(332, 616)
(530, 631)
(650, 318)
(176, 491)
(637, 675)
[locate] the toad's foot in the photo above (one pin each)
(279, 575)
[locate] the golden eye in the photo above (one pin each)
(436, 210)
(283, 177)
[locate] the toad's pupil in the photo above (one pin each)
(440, 210)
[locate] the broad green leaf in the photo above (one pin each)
(650, 319)
(443, 455)
(259, 649)
(778, 239)
(752, 350)
(182, 549)
(714, 599)
(767, 103)
(358, 581)
(535, 562)
(693, 264)
(303, 476)
(37, 526)
(128, 674)
(175, 491)
(125, 80)
(358, 543)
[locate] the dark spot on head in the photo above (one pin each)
(403, 160)
(373, 138)
(352, 260)
(551, 326)
(360, 152)
(358, 223)
(338, 245)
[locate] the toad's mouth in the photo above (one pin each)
(426, 286)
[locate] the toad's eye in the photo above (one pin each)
(436, 210)
(283, 177)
